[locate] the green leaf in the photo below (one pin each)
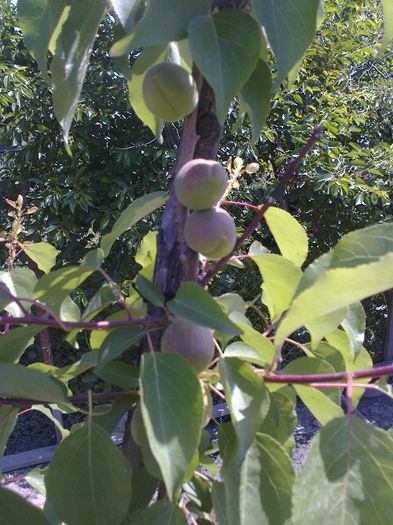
(323, 325)
(22, 383)
(20, 282)
(53, 288)
(87, 361)
(146, 255)
(172, 412)
(247, 398)
(225, 47)
(149, 57)
(14, 342)
(256, 95)
(89, 469)
(289, 235)
(280, 280)
(38, 20)
(8, 415)
(160, 513)
(119, 374)
(136, 211)
(347, 476)
(335, 289)
(354, 325)
(111, 415)
(149, 291)
(16, 511)
(128, 12)
(143, 489)
(232, 302)
(264, 348)
(194, 303)
(117, 341)
(246, 352)
(48, 413)
(219, 502)
(69, 311)
(43, 254)
(164, 21)
(387, 22)
(71, 58)
(323, 404)
(290, 28)
(259, 490)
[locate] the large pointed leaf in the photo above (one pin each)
(131, 215)
(43, 254)
(335, 289)
(172, 412)
(164, 21)
(53, 288)
(128, 12)
(71, 59)
(194, 303)
(87, 468)
(38, 20)
(143, 489)
(248, 400)
(280, 280)
(354, 325)
(19, 382)
(259, 490)
(14, 342)
(15, 510)
(325, 324)
(256, 95)
(225, 47)
(347, 477)
(290, 28)
(289, 235)
(146, 255)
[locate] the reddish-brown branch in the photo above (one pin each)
(237, 203)
(322, 378)
(76, 400)
(275, 196)
(83, 325)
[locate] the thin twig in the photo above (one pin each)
(238, 203)
(117, 291)
(275, 196)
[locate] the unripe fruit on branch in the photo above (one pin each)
(137, 426)
(211, 232)
(201, 183)
(195, 343)
(169, 91)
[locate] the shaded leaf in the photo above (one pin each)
(290, 28)
(38, 20)
(172, 413)
(71, 58)
(256, 95)
(8, 415)
(225, 47)
(14, 342)
(16, 511)
(247, 398)
(43, 254)
(194, 303)
(149, 291)
(119, 374)
(160, 513)
(88, 468)
(143, 489)
(117, 341)
(347, 476)
(23, 383)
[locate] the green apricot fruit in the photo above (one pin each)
(137, 426)
(169, 91)
(211, 232)
(195, 343)
(201, 183)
